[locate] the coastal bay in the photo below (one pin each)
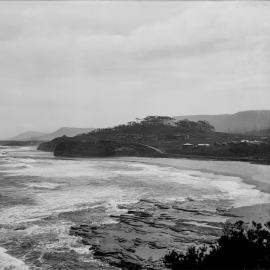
(106, 212)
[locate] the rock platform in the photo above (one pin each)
(148, 229)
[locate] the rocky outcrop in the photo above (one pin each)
(148, 230)
(84, 149)
(76, 147)
(51, 145)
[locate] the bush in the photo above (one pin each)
(239, 248)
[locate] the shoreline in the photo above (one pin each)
(217, 158)
(257, 212)
(165, 162)
(148, 217)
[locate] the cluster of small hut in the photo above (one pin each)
(205, 145)
(194, 146)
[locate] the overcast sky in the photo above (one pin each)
(90, 64)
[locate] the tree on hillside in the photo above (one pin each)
(206, 125)
(157, 120)
(191, 125)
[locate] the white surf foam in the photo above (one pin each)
(7, 262)
(92, 180)
(43, 185)
(201, 184)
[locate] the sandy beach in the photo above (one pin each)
(258, 176)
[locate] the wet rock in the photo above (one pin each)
(149, 229)
(20, 228)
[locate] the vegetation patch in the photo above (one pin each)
(241, 247)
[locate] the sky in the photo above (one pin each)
(98, 64)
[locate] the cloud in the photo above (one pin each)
(145, 56)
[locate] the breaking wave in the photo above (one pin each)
(47, 195)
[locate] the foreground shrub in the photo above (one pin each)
(239, 248)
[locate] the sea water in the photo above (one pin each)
(41, 197)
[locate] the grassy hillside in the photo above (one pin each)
(156, 135)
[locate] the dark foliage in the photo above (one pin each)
(239, 248)
(244, 149)
(155, 125)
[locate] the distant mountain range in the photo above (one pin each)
(241, 122)
(39, 136)
(252, 122)
(27, 135)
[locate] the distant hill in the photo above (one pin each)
(39, 136)
(27, 135)
(148, 137)
(68, 131)
(156, 136)
(241, 122)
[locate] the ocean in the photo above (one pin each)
(42, 196)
